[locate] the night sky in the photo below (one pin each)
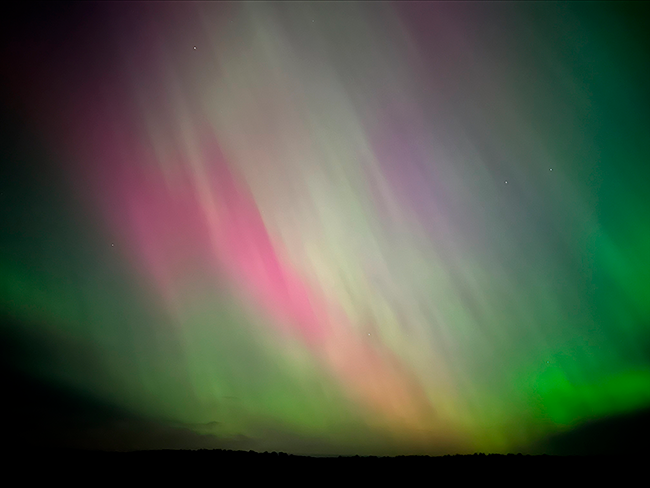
(326, 228)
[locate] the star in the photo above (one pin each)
(550, 169)
(195, 48)
(506, 182)
(112, 245)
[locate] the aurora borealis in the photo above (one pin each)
(314, 227)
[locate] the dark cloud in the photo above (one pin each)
(41, 411)
(625, 435)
